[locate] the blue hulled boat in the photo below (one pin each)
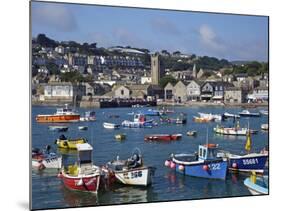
(204, 164)
(248, 162)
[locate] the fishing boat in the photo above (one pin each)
(88, 117)
(162, 137)
(191, 133)
(236, 131)
(203, 164)
(246, 113)
(201, 119)
(264, 127)
(83, 127)
(83, 176)
(132, 171)
(45, 159)
(257, 184)
(264, 112)
(247, 162)
(108, 125)
(178, 120)
(58, 128)
(229, 115)
(139, 121)
(214, 117)
(62, 115)
(63, 142)
(120, 136)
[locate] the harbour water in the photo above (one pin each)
(49, 192)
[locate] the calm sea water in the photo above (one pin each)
(48, 191)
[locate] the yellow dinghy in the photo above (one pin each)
(64, 143)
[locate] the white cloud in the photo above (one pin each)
(210, 39)
(56, 16)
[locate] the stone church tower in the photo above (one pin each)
(194, 72)
(156, 72)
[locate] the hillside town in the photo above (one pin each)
(68, 72)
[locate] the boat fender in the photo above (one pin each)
(234, 165)
(205, 167)
(59, 175)
(172, 165)
(167, 163)
(181, 167)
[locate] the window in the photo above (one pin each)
(122, 92)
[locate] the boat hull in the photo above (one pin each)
(86, 183)
(57, 118)
(136, 176)
(257, 188)
(166, 137)
(216, 170)
(248, 163)
(231, 131)
(49, 163)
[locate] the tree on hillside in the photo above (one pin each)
(166, 79)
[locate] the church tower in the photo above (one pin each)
(194, 72)
(155, 69)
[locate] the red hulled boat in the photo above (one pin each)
(162, 137)
(84, 176)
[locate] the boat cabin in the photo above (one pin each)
(139, 118)
(84, 154)
(207, 152)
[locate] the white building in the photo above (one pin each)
(60, 49)
(145, 80)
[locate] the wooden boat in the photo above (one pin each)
(88, 117)
(163, 137)
(246, 113)
(204, 164)
(84, 176)
(58, 128)
(108, 125)
(264, 127)
(42, 159)
(120, 136)
(201, 119)
(264, 112)
(62, 115)
(257, 184)
(191, 133)
(139, 121)
(63, 142)
(83, 127)
(248, 162)
(132, 171)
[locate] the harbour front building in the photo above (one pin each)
(62, 92)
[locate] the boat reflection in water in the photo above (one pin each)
(78, 198)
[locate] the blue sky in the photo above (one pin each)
(232, 37)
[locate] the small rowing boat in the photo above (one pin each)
(83, 127)
(120, 136)
(163, 137)
(58, 128)
(191, 133)
(265, 127)
(45, 159)
(108, 125)
(257, 184)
